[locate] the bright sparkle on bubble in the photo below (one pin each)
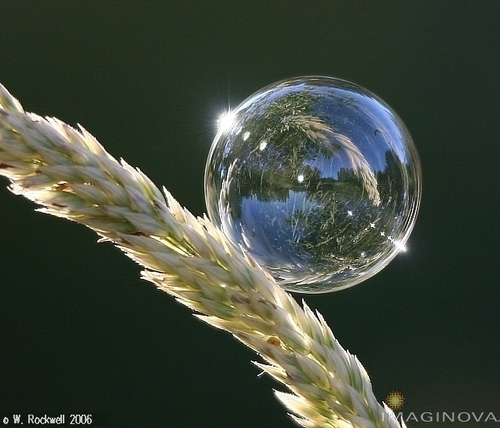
(225, 121)
(400, 246)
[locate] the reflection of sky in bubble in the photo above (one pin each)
(265, 224)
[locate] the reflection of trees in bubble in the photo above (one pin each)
(391, 180)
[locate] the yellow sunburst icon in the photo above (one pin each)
(395, 400)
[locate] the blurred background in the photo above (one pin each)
(80, 332)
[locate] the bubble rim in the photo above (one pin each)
(414, 163)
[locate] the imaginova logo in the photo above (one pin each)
(395, 400)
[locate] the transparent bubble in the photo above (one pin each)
(318, 179)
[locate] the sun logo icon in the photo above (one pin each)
(395, 400)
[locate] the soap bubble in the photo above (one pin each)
(318, 179)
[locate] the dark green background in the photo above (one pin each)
(80, 332)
